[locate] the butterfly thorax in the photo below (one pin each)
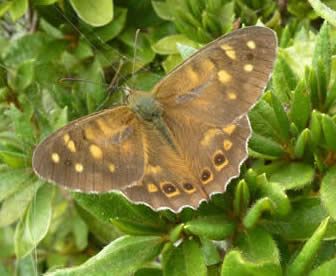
(144, 105)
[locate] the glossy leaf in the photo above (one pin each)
(34, 225)
(303, 260)
(328, 192)
(97, 13)
(115, 258)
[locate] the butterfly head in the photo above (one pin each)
(144, 105)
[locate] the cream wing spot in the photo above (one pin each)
(224, 76)
(79, 167)
(152, 188)
(248, 67)
(251, 44)
(111, 168)
(207, 65)
(71, 146)
(229, 51)
(96, 152)
(232, 95)
(209, 134)
(229, 129)
(55, 157)
(66, 138)
(227, 144)
(192, 75)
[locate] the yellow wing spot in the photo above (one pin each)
(154, 169)
(79, 167)
(232, 95)
(229, 129)
(152, 188)
(96, 152)
(223, 76)
(90, 134)
(251, 44)
(227, 144)
(248, 67)
(111, 168)
(229, 51)
(104, 127)
(192, 75)
(169, 189)
(209, 134)
(219, 160)
(71, 146)
(66, 138)
(55, 157)
(207, 65)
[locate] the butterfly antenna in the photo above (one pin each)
(135, 49)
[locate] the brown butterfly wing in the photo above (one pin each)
(168, 181)
(97, 153)
(223, 80)
(214, 153)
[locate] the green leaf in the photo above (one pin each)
(44, 2)
(35, 224)
(171, 62)
(328, 192)
(325, 269)
(22, 126)
(282, 118)
(265, 146)
(96, 13)
(324, 11)
(211, 227)
(116, 207)
(186, 51)
(301, 143)
(164, 10)
(14, 159)
(11, 180)
(115, 258)
(4, 7)
(168, 44)
(304, 259)
(184, 260)
(7, 243)
(284, 79)
(24, 75)
(18, 9)
(209, 251)
(329, 130)
(257, 255)
(111, 30)
(301, 106)
(15, 206)
(293, 175)
(264, 120)
(315, 128)
(255, 212)
(274, 192)
(148, 272)
(306, 215)
(242, 198)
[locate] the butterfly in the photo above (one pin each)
(179, 144)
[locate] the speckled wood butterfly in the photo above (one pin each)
(177, 145)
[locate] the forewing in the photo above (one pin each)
(97, 153)
(223, 80)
